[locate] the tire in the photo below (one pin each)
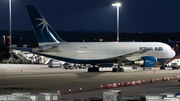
(89, 69)
(114, 70)
(122, 69)
(118, 69)
(96, 69)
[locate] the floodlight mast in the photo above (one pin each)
(117, 5)
(10, 21)
(10, 39)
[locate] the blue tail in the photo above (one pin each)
(44, 32)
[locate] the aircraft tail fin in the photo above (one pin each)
(169, 40)
(45, 34)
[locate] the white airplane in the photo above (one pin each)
(145, 54)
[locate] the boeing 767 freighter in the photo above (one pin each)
(145, 54)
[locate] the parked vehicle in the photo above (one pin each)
(175, 66)
(135, 67)
(55, 63)
(68, 65)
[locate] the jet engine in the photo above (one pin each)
(147, 61)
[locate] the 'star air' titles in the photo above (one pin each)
(151, 49)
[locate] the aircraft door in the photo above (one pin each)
(165, 51)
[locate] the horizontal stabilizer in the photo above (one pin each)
(46, 49)
(53, 49)
(22, 49)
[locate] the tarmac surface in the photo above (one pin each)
(83, 85)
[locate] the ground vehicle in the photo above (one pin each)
(68, 65)
(55, 63)
(179, 78)
(74, 66)
(175, 66)
(135, 67)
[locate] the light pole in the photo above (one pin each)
(177, 48)
(10, 44)
(117, 5)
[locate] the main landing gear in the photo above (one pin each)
(163, 66)
(118, 69)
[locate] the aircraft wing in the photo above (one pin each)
(131, 56)
(22, 49)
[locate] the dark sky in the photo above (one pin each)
(69, 15)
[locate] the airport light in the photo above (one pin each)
(4, 39)
(177, 48)
(10, 44)
(117, 5)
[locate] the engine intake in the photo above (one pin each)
(147, 61)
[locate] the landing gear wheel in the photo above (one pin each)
(118, 69)
(121, 69)
(162, 68)
(89, 69)
(114, 70)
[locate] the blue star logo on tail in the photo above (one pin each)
(45, 34)
(43, 22)
(45, 25)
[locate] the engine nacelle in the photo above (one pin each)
(147, 61)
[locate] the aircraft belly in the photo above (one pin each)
(98, 55)
(87, 55)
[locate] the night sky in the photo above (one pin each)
(136, 16)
